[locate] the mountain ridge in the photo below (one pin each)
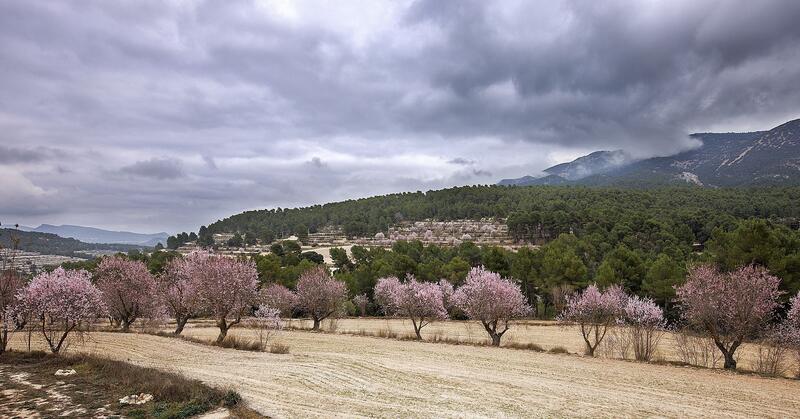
(724, 159)
(100, 236)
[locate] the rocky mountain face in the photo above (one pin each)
(728, 159)
(595, 163)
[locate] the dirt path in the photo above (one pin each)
(337, 375)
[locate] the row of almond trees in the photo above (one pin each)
(60, 302)
(729, 308)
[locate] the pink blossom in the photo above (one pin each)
(492, 300)
(422, 302)
(645, 326)
(447, 293)
(361, 301)
(319, 295)
(729, 307)
(10, 284)
(793, 315)
(279, 297)
(129, 290)
(226, 288)
(594, 312)
(61, 301)
(178, 288)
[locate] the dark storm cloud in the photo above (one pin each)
(255, 104)
(12, 155)
(156, 168)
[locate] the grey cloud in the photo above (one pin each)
(156, 168)
(461, 161)
(317, 162)
(263, 97)
(12, 155)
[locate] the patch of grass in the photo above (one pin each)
(101, 382)
(278, 348)
(558, 350)
(525, 346)
(242, 344)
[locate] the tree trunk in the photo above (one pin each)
(589, 349)
(316, 324)
(417, 328)
(126, 325)
(181, 323)
(3, 340)
(223, 330)
(496, 339)
(730, 362)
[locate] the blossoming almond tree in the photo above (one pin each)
(492, 300)
(226, 289)
(178, 289)
(645, 325)
(729, 307)
(422, 302)
(594, 312)
(280, 298)
(129, 290)
(10, 284)
(266, 321)
(319, 295)
(60, 301)
(361, 301)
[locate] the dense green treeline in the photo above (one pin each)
(643, 263)
(538, 213)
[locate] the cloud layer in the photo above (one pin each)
(152, 115)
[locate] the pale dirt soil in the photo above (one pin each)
(547, 334)
(328, 375)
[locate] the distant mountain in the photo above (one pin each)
(729, 159)
(96, 235)
(596, 163)
(51, 244)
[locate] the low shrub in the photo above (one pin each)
(525, 346)
(558, 350)
(278, 348)
(235, 342)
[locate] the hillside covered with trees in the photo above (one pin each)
(689, 214)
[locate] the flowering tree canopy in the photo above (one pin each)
(793, 316)
(10, 284)
(594, 311)
(492, 300)
(447, 293)
(422, 302)
(226, 288)
(361, 301)
(178, 288)
(729, 307)
(319, 295)
(280, 298)
(645, 325)
(61, 300)
(129, 290)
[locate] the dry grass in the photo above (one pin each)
(329, 374)
(99, 384)
(278, 348)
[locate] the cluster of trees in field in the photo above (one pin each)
(680, 215)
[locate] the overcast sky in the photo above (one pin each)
(154, 115)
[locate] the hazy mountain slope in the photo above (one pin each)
(595, 163)
(96, 235)
(52, 244)
(724, 159)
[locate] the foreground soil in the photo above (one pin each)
(29, 388)
(327, 375)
